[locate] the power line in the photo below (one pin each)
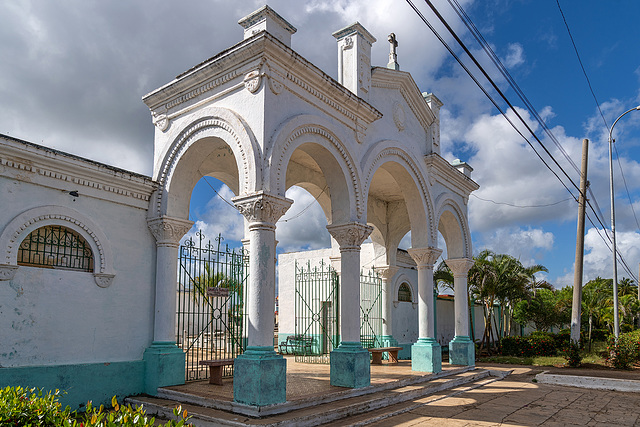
(521, 206)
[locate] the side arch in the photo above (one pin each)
(218, 123)
(421, 212)
(454, 227)
(309, 129)
(23, 224)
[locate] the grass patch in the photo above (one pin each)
(594, 357)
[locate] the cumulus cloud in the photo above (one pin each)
(303, 227)
(598, 259)
(527, 244)
(515, 55)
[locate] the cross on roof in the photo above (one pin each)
(393, 56)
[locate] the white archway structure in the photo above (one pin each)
(365, 145)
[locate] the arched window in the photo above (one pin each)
(54, 246)
(404, 293)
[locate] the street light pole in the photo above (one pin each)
(616, 321)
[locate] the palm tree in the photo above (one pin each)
(596, 295)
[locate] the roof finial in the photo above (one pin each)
(393, 56)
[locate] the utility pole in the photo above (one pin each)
(576, 306)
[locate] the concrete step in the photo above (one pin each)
(360, 408)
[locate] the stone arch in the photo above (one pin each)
(221, 125)
(317, 135)
(453, 225)
(23, 224)
(416, 193)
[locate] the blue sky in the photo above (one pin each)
(73, 74)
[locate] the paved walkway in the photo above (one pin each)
(518, 401)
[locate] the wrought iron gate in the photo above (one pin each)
(370, 309)
(211, 296)
(316, 312)
(317, 308)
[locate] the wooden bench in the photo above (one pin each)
(296, 344)
(215, 369)
(376, 354)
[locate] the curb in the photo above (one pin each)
(589, 382)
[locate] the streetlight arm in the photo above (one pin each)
(622, 115)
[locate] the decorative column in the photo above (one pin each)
(386, 274)
(259, 376)
(461, 348)
(426, 353)
(350, 366)
(164, 360)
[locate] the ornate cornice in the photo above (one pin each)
(72, 172)
(262, 209)
(425, 257)
(386, 272)
(446, 175)
(459, 266)
(350, 235)
(168, 231)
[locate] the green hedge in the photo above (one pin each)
(625, 352)
(24, 407)
(533, 345)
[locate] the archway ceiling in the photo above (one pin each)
(385, 187)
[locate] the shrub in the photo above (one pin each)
(30, 407)
(536, 344)
(625, 352)
(572, 355)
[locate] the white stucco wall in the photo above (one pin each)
(55, 316)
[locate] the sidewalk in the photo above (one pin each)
(518, 401)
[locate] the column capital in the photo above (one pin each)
(261, 209)
(168, 231)
(424, 257)
(387, 271)
(459, 266)
(350, 235)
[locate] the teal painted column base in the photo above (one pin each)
(350, 366)
(388, 341)
(462, 351)
(164, 366)
(426, 356)
(260, 377)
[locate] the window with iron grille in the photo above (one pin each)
(404, 293)
(54, 246)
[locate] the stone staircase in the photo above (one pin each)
(351, 407)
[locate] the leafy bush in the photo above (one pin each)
(536, 344)
(572, 355)
(625, 352)
(30, 407)
(599, 335)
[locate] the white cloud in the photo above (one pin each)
(527, 244)
(303, 227)
(218, 218)
(515, 55)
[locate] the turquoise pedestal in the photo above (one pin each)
(350, 366)
(164, 366)
(388, 341)
(462, 351)
(426, 356)
(260, 377)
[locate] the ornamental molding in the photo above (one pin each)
(350, 235)
(7, 272)
(73, 173)
(387, 272)
(444, 202)
(168, 231)
(399, 117)
(262, 209)
(198, 130)
(23, 224)
(448, 176)
(402, 81)
(403, 158)
(425, 258)
(459, 266)
(252, 81)
(285, 150)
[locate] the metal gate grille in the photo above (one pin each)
(370, 309)
(316, 313)
(211, 297)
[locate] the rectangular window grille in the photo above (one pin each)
(55, 247)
